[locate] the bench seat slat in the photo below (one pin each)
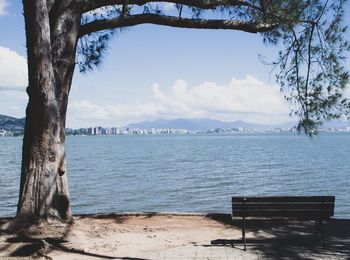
(281, 206)
(286, 214)
(293, 199)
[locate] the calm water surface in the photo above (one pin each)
(190, 173)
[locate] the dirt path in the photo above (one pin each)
(178, 237)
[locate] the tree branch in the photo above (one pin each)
(172, 21)
(89, 5)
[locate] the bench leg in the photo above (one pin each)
(322, 233)
(243, 234)
(316, 228)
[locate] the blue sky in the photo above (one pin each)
(153, 72)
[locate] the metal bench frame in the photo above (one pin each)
(317, 208)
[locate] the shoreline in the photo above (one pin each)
(177, 235)
(211, 215)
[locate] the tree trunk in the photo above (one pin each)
(51, 45)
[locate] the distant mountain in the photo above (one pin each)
(201, 124)
(17, 124)
(11, 124)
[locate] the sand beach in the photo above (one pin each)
(176, 236)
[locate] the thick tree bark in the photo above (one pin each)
(173, 21)
(51, 44)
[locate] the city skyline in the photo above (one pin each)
(15, 127)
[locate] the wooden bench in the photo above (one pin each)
(317, 208)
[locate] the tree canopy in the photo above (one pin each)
(310, 34)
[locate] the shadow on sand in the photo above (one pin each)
(36, 244)
(267, 239)
(291, 239)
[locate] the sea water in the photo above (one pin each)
(190, 173)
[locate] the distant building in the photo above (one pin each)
(114, 131)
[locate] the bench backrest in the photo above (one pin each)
(294, 207)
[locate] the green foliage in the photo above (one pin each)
(92, 48)
(311, 66)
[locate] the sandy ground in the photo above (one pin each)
(164, 236)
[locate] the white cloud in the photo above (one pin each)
(13, 69)
(20, 96)
(13, 81)
(3, 5)
(87, 110)
(248, 99)
(83, 113)
(13, 103)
